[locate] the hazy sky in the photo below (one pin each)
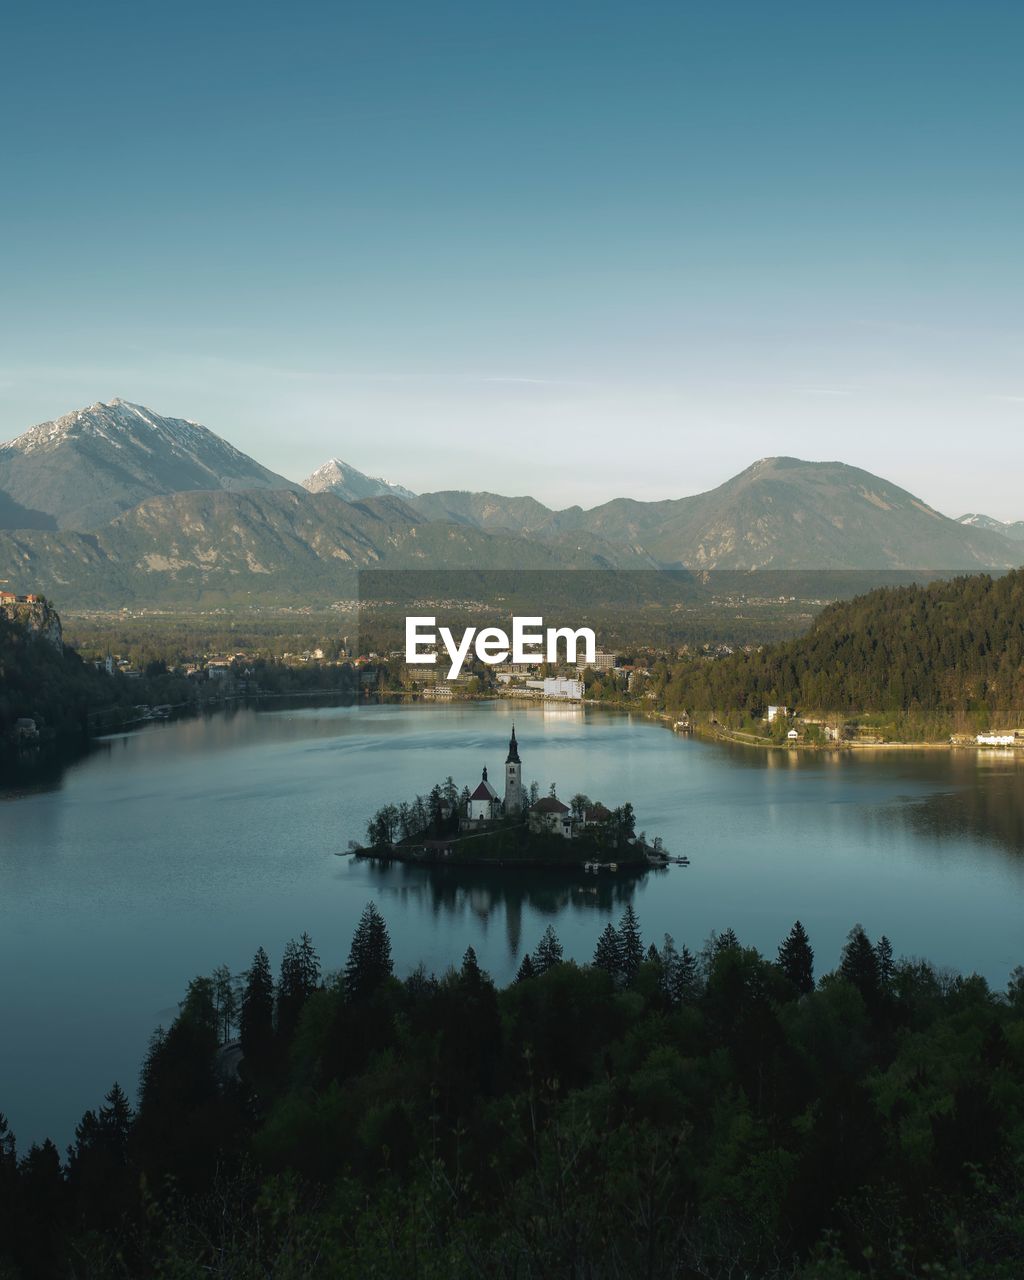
(571, 249)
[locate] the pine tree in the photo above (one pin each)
(148, 1075)
(226, 1000)
(309, 965)
(796, 959)
(686, 986)
(369, 959)
(256, 1021)
(8, 1173)
(470, 970)
(726, 941)
(115, 1119)
(608, 952)
(631, 943)
(290, 995)
(526, 969)
(8, 1145)
(886, 963)
(548, 952)
(859, 964)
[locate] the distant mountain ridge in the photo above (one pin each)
(1014, 531)
(271, 546)
(780, 513)
(117, 503)
(93, 464)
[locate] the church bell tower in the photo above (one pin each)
(513, 778)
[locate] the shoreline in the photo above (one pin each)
(632, 867)
(738, 737)
(707, 732)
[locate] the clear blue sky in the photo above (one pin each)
(573, 249)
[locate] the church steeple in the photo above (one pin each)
(513, 778)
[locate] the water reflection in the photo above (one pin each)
(458, 893)
(987, 805)
(210, 728)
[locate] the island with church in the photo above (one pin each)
(519, 827)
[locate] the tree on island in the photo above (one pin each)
(623, 821)
(796, 959)
(369, 960)
(526, 969)
(383, 827)
(579, 804)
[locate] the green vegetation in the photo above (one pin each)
(71, 700)
(658, 1112)
(909, 662)
(66, 697)
(416, 828)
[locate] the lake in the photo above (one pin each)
(186, 845)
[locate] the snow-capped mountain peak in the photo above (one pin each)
(345, 481)
(92, 464)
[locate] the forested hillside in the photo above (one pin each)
(43, 680)
(656, 1113)
(940, 658)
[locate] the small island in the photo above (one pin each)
(520, 828)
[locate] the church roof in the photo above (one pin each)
(549, 804)
(513, 749)
(484, 791)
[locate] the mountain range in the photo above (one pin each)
(115, 504)
(1014, 530)
(93, 464)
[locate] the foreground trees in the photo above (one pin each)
(661, 1112)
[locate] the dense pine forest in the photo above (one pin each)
(657, 1113)
(917, 661)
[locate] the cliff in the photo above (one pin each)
(37, 618)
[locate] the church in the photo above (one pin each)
(485, 805)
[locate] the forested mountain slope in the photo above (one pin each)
(951, 653)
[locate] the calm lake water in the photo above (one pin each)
(188, 845)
